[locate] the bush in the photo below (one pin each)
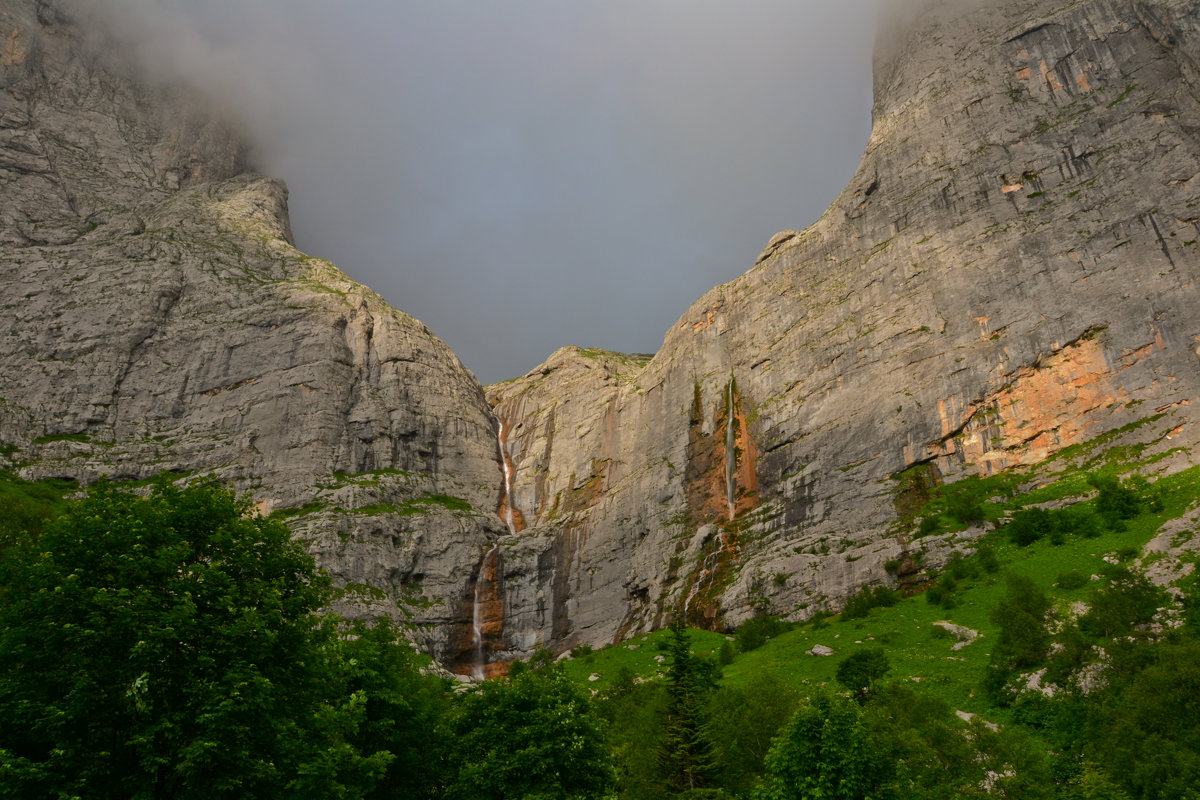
(1117, 501)
(1022, 640)
(942, 592)
(867, 598)
(961, 568)
(861, 670)
(986, 557)
(754, 633)
(1128, 601)
(965, 508)
(1072, 580)
(1028, 525)
(1079, 520)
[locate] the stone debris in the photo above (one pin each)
(967, 716)
(964, 634)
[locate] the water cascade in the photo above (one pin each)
(479, 609)
(510, 515)
(730, 453)
(708, 569)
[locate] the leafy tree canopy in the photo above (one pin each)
(535, 736)
(169, 647)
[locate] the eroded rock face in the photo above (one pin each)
(159, 318)
(1012, 270)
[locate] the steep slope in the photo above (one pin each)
(159, 318)
(1012, 269)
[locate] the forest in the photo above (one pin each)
(165, 642)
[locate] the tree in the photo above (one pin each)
(169, 647)
(824, 752)
(1023, 640)
(744, 721)
(687, 757)
(535, 736)
(1129, 600)
(861, 670)
(635, 712)
(402, 711)
(1144, 728)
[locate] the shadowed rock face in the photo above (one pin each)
(1013, 269)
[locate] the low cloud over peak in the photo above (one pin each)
(531, 174)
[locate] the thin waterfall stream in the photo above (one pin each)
(707, 574)
(730, 453)
(488, 597)
(478, 611)
(507, 512)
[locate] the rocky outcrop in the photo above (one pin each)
(1012, 270)
(159, 318)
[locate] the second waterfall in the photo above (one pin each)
(508, 510)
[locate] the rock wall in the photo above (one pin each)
(159, 318)
(1011, 270)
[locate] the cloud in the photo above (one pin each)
(534, 173)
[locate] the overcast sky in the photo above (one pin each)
(527, 174)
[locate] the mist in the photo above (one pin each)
(531, 174)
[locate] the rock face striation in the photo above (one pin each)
(1012, 270)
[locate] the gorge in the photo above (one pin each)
(1012, 270)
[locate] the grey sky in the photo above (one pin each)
(527, 174)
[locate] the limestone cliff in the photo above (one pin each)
(1012, 269)
(157, 317)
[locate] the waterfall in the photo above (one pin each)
(708, 569)
(506, 504)
(730, 452)
(478, 611)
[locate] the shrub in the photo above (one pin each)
(1028, 525)
(861, 670)
(1117, 501)
(986, 557)
(1072, 580)
(966, 509)
(1128, 601)
(867, 598)
(1079, 520)
(942, 593)
(754, 633)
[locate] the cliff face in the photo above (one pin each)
(1012, 269)
(157, 317)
